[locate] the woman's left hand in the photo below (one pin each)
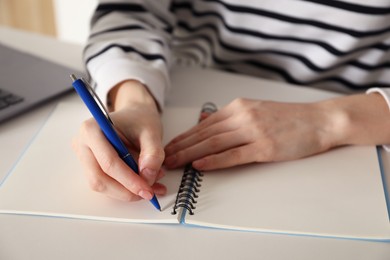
(248, 131)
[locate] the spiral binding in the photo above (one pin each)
(188, 189)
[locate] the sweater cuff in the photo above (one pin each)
(385, 93)
(113, 72)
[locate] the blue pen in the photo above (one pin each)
(84, 90)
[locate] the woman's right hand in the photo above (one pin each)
(137, 121)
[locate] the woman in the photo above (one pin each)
(334, 45)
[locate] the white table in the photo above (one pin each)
(33, 237)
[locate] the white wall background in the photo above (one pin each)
(72, 18)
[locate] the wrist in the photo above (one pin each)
(130, 92)
(357, 120)
(334, 122)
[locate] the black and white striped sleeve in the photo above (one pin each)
(129, 39)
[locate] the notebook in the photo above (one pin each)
(27, 81)
(335, 194)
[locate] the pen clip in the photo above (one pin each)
(99, 101)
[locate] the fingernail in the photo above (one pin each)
(145, 194)
(170, 161)
(203, 116)
(149, 175)
(199, 164)
(160, 190)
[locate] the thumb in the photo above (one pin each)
(151, 156)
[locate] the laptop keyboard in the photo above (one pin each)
(8, 99)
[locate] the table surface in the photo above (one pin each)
(35, 237)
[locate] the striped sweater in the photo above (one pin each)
(342, 46)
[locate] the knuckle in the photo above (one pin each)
(156, 155)
(183, 157)
(240, 102)
(87, 126)
(180, 156)
(107, 163)
(250, 114)
(132, 186)
(159, 153)
(236, 154)
(97, 185)
(88, 130)
(215, 142)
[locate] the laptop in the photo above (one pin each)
(27, 81)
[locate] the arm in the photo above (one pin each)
(366, 120)
(130, 40)
(248, 131)
(128, 58)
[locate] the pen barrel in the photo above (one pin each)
(104, 124)
(128, 159)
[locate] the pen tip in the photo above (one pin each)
(155, 203)
(73, 77)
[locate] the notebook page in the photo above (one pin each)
(49, 180)
(336, 194)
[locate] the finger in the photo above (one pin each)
(113, 165)
(101, 182)
(151, 156)
(123, 138)
(215, 144)
(210, 120)
(199, 136)
(160, 175)
(159, 189)
(229, 158)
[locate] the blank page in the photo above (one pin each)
(338, 194)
